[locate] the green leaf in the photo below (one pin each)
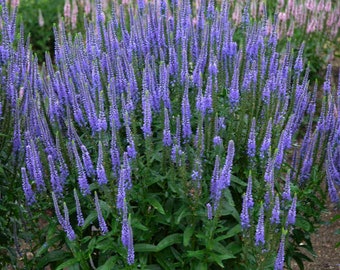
(177, 254)
(145, 248)
(229, 197)
(68, 263)
(169, 240)
(42, 249)
(201, 266)
(104, 245)
(92, 245)
(136, 224)
(237, 180)
(234, 247)
(152, 267)
(53, 256)
(198, 254)
(188, 232)
(222, 250)
(109, 264)
(335, 218)
(303, 224)
(89, 220)
(181, 213)
(156, 205)
(234, 231)
(164, 263)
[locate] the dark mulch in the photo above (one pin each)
(324, 243)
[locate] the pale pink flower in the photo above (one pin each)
(320, 6)
(311, 26)
(290, 31)
(291, 5)
(328, 6)
(87, 8)
(330, 19)
(261, 8)
(237, 14)
(310, 5)
(269, 27)
(105, 4)
(334, 30)
(281, 4)
(15, 3)
(74, 14)
(320, 21)
(253, 10)
(40, 18)
(194, 21)
(282, 16)
(21, 92)
(67, 9)
(282, 29)
(300, 15)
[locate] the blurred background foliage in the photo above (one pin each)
(38, 18)
(41, 32)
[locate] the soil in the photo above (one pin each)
(325, 241)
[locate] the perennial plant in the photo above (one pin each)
(165, 138)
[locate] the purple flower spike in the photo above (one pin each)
(141, 4)
(147, 115)
(63, 221)
(57, 210)
(217, 141)
(214, 189)
(252, 140)
(286, 193)
(327, 83)
(249, 195)
(226, 170)
(121, 191)
(167, 141)
(127, 236)
(292, 213)
(265, 147)
(80, 217)
(186, 116)
(234, 94)
(87, 161)
(67, 225)
(54, 178)
(275, 218)
(333, 193)
(34, 165)
(26, 186)
(259, 235)
(209, 211)
(101, 221)
(101, 174)
(298, 66)
(280, 258)
(245, 221)
(82, 180)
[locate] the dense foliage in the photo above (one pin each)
(164, 137)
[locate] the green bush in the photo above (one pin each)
(41, 36)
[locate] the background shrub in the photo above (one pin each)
(168, 144)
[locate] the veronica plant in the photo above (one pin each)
(166, 144)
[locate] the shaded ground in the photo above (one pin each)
(324, 242)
